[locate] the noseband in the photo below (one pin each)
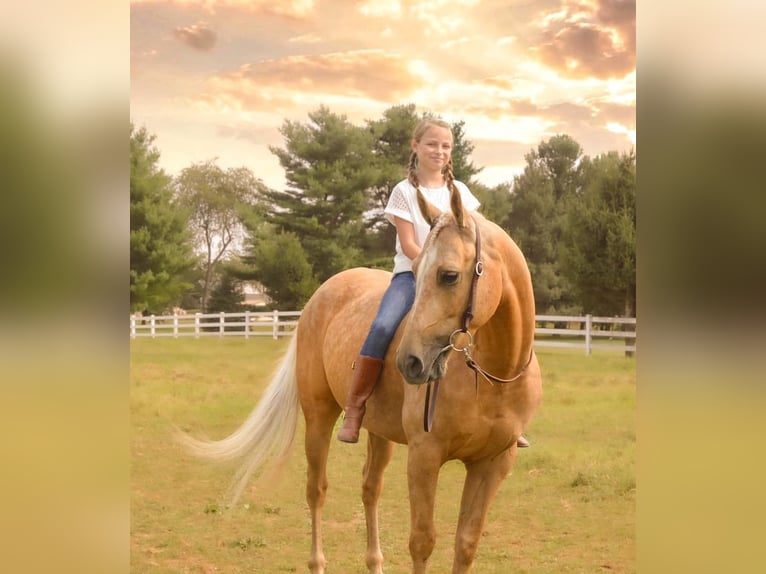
(430, 405)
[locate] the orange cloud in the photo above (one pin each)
(198, 36)
(290, 8)
(590, 41)
(372, 74)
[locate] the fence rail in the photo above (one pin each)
(568, 331)
(248, 324)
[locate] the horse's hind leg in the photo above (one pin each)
(320, 420)
(482, 481)
(379, 452)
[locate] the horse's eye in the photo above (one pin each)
(448, 277)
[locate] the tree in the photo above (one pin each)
(217, 200)
(599, 237)
(495, 202)
(328, 165)
(462, 167)
(391, 137)
(228, 294)
(538, 204)
(160, 245)
(279, 262)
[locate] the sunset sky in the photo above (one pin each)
(217, 78)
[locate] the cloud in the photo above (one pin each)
(288, 8)
(305, 39)
(491, 153)
(372, 74)
(590, 41)
(197, 36)
(252, 132)
(375, 8)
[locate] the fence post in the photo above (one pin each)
(247, 324)
(221, 323)
(175, 325)
(630, 327)
(132, 327)
(275, 324)
(196, 325)
(151, 325)
(588, 327)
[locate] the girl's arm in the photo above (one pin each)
(406, 232)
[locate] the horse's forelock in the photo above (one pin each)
(445, 220)
(438, 225)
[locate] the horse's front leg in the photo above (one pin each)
(482, 481)
(423, 467)
(379, 452)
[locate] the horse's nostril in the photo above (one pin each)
(414, 367)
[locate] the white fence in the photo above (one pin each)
(248, 324)
(579, 332)
(586, 332)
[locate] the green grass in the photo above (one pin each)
(568, 506)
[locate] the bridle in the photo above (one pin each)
(430, 404)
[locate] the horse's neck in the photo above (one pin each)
(505, 341)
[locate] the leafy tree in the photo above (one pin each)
(559, 156)
(218, 199)
(495, 202)
(160, 245)
(279, 262)
(462, 167)
(228, 294)
(328, 165)
(539, 201)
(391, 137)
(599, 237)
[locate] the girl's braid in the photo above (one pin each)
(454, 194)
(412, 170)
(412, 177)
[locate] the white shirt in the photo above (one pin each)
(403, 203)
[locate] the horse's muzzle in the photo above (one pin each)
(415, 371)
(412, 369)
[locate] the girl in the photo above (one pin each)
(430, 169)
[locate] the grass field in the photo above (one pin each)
(567, 507)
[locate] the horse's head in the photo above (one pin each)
(445, 271)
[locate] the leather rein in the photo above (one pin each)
(430, 404)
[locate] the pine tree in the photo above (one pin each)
(160, 243)
(599, 237)
(328, 165)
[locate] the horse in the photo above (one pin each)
(473, 298)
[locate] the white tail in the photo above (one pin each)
(266, 437)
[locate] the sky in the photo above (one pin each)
(215, 79)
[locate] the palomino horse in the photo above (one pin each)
(473, 296)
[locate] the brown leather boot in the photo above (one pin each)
(366, 372)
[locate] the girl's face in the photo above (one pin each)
(434, 148)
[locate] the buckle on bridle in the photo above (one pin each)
(467, 348)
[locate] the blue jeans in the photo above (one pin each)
(396, 301)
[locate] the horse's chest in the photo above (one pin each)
(500, 423)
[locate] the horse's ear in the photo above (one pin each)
(456, 204)
(429, 211)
